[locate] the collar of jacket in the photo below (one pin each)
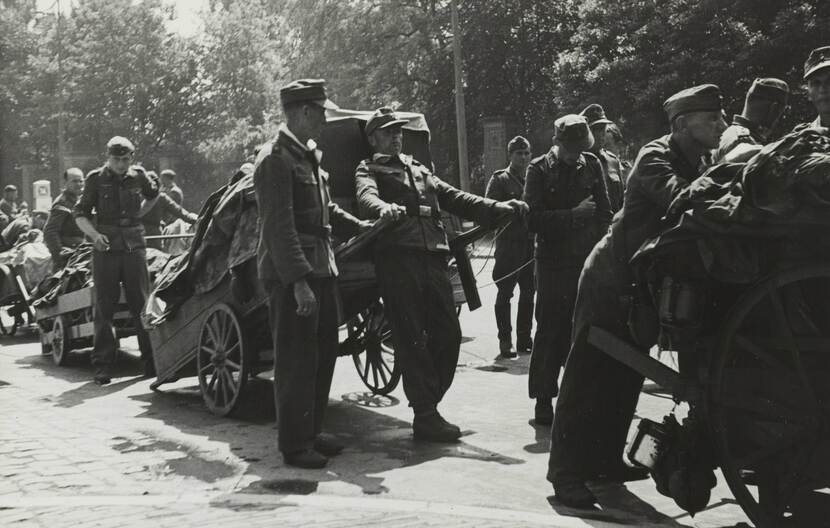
(131, 172)
(285, 139)
(386, 159)
(677, 153)
(740, 120)
(553, 158)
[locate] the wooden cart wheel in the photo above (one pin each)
(3, 330)
(768, 402)
(221, 360)
(59, 341)
(370, 337)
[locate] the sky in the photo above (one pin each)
(186, 22)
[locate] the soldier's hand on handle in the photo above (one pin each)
(391, 212)
(512, 207)
(585, 209)
(306, 302)
(101, 242)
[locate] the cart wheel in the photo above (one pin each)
(221, 360)
(59, 341)
(768, 401)
(373, 355)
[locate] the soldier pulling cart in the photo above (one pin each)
(744, 301)
(208, 315)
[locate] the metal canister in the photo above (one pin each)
(648, 444)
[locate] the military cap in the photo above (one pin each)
(770, 89)
(168, 172)
(383, 118)
(573, 132)
(9, 188)
(119, 146)
(306, 91)
(595, 114)
(518, 143)
(818, 59)
(701, 98)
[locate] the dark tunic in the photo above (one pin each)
(599, 395)
(740, 132)
(60, 230)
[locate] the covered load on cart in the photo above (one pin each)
(208, 313)
(738, 284)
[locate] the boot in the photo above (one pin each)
(432, 427)
(572, 492)
(307, 459)
(506, 349)
(524, 344)
(543, 414)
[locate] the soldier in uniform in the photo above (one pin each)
(765, 103)
(569, 212)
(514, 249)
(162, 208)
(411, 266)
(8, 204)
(297, 269)
(611, 167)
(817, 77)
(115, 192)
(599, 394)
(169, 187)
(61, 234)
(615, 143)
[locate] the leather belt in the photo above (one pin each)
(319, 231)
(421, 210)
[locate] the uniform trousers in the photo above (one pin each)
(599, 394)
(305, 351)
(111, 269)
(417, 293)
(515, 256)
(556, 294)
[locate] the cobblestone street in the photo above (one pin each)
(75, 454)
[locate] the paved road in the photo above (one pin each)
(74, 454)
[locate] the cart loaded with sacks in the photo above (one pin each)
(738, 286)
(208, 314)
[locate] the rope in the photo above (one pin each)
(515, 271)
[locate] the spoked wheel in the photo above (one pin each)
(769, 399)
(59, 341)
(370, 339)
(221, 360)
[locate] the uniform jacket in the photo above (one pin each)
(60, 230)
(612, 172)
(505, 185)
(739, 132)
(552, 189)
(659, 174)
(8, 208)
(295, 210)
(402, 180)
(116, 200)
(16, 228)
(175, 193)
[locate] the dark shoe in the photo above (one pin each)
(543, 414)
(623, 473)
(328, 446)
(307, 459)
(574, 493)
(102, 379)
(506, 349)
(149, 368)
(524, 347)
(433, 428)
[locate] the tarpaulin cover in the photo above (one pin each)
(31, 256)
(747, 219)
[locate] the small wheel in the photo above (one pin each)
(59, 341)
(221, 360)
(769, 401)
(374, 358)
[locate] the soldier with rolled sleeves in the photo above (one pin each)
(115, 192)
(765, 103)
(569, 212)
(297, 269)
(61, 234)
(612, 172)
(411, 266)
(598, 395)
(162, 208)
(514, 249)
(817, 77)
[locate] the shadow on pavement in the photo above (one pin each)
(616, 504)
(518, 367)
(375, 443)
(78, 369)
